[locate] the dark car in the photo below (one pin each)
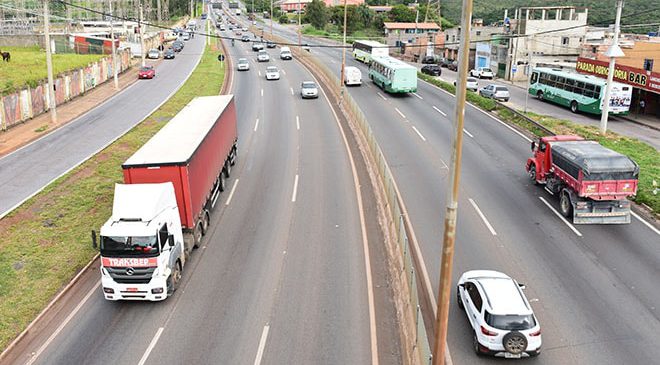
(445, 62)
(453, 66)
(245, 38)
(169, 54)
(433, 70)
(428, 60)
(270, 45)
(177, 46)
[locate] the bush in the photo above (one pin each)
(283, 19)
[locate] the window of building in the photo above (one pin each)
(565, 41)
(648, 64)
(478, 32)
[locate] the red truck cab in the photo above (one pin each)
(592, 182)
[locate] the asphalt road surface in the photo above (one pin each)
(27, 170)
(593, 287)
(280, 278)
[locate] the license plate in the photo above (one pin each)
(131, 289)
(509, 355)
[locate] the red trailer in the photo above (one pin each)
(194, 151)
(592, 182)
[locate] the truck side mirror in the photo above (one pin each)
(170, 239)
(522, 286)
(533, 146)
(94, 239)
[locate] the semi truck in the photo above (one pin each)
(163, 208)
(593, 183)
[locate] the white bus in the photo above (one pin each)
(364, 50)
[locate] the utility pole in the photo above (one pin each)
(451, 213)
(112, 40)
(529, 68)
(141, 26)
(271, 18)
(613, 52)
(299, 26)
(49, 66)
(159, 11)
(343, 55)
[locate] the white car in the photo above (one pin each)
(502, 319)
(272, 73)
(482, 73)
(243, 64)
(472, 84)
(245, 29)
(496, 92)
(263, 56)
(153, 54)
(308, 89)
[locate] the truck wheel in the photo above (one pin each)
(223, 183)
(233, 155)
(565, 205)
(574, 106)
(532, 173)
(205, 222)
(227, 169)
(540, 95)
(198, 232)
(174, 280)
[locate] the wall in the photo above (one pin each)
(30, 40)
(29, 103)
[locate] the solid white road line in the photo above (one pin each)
(483, 217)
(295, 189)
(439, 111)
(284, 72)
(262, 345)
(401, 114)
(231, 193)
(151, 346)
(256, 125)
(59, 329)
(381, 95)
(259, 73)
(291, 91)
(297, 123)
(645, 223)
(417, 95)
(419, 134)
(561, 217)
(468, 133)
(262, 92)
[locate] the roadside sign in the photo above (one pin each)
(514, 69)
(221, 57)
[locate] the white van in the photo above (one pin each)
(285, 53)
(352, 76)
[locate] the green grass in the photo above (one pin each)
(46, 241)
(333, 32)
(28, 66)
(646, 156)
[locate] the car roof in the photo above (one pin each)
(503, 296)
(271, 68)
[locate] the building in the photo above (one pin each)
(639, 67)
(291, 6)
(414, 40)
(480, 48)
(538, 36)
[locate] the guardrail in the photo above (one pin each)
(526, 118)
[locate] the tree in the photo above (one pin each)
(403, 14)
(316, 14)
(283, 19)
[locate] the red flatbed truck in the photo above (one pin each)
(593, 182)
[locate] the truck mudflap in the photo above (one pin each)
(601, 212)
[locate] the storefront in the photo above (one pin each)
(646, 84)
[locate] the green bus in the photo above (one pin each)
(581, 93)
(364, 50)
(393, 75)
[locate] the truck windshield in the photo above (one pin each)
(129, 246)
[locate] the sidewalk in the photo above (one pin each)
(39, 126)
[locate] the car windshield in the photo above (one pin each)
(486, 70)
(271, 69)
(308, 85)
(242, 60)
(510, 321)
(145, 69)
(471, 79)
(501, 88)
(129, 246)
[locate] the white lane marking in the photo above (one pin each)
(417, 95)
(365, 240)
(381, 95)
(151, 346)
(62, 325)
(295, 189)
(645, 223)
(291, 91)
(231, 193)
(419, 134)
(259, 73)
(468, 133)
(284, 72)
(297, 123)
(262, 92)
(256, 125)
(561, 217)
(369, 86)
(401, 114)
(439, 111)
(483, 217)
(262, 345)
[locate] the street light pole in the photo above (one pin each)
(451, 213)
(114, 56)
(343, 55)
(49, 65)
(141, 26)
(529, 69)
(613, 52)
(299, 26)
(271, 18)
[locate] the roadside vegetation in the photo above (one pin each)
(46, 241)
(28, 66)
(646, 156)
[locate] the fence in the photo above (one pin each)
(30, 102)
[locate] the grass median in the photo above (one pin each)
(46, 241)
(645, 155)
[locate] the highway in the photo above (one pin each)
(593, 287)
(281, 276)
(35, 165)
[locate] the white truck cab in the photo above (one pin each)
(141, 244)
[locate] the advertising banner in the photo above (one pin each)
(636, 77)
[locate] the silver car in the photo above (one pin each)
(263, 56)
(243, 64)
(472, 84)
(308, 89)
(496, 92)
(153, 54)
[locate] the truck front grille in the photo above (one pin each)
(139, 275)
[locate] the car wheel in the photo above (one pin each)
(514, 343)
(535, 353)
(507, 99)
(458, 299)
(574, 106)
(475, 345)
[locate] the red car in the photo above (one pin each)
(146, 72)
